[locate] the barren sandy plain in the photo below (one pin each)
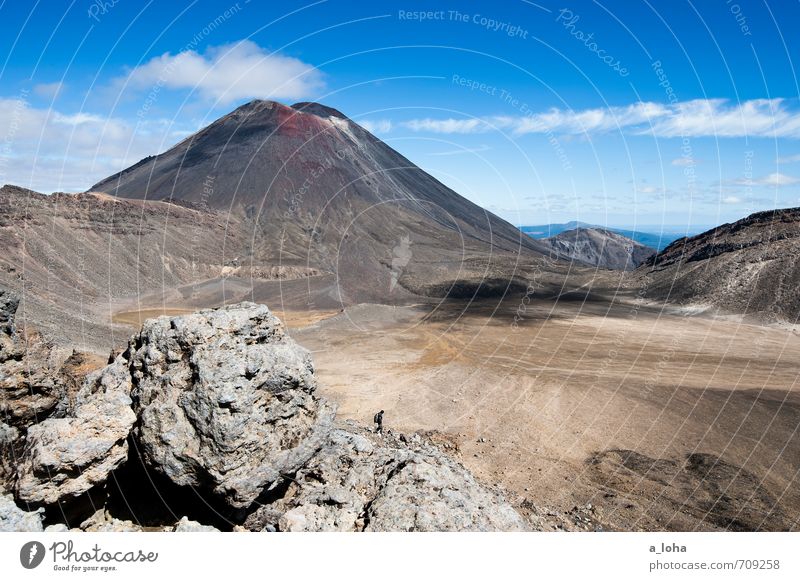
(613, 415)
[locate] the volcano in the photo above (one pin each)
(316, 190)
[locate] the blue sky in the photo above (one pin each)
(625, 113)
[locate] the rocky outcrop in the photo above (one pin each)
(14, 519)
(9, 302)
(225, 400)
(30, 379)
(66, 457)
(750, 267)
(363, 482)
(9, 438)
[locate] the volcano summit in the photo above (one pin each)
(317, 190)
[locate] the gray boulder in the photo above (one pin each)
(14, 519)
(190, 526)
(57, 528)
(66, 457)
(360, 482)
(225, 400)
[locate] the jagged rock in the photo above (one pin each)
(189, 526)
(30, 382)
(358, 482)
(9, 443)
(8, 307)
(102, 522)
(225, 400)
(66, 457)
(14, 519)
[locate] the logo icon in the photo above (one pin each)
(31, 554)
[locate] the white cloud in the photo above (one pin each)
(696, 118)
(230, 72)
(449, 125)
(376, 125)
(777, 180)
(47, 150)
(49, 90)
(789, 159)
(773, 180)
(732, 200)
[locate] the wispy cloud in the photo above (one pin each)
(450, 125)
(376, 125)
(48, 150)
(789, 159)
(696, 118)
(649, 190)
(773, 180)
(49, 90)
(241, 70)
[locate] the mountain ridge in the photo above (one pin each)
(749, 266)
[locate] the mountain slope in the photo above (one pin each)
(316, 189)
(600, 248)
(656, 239)
(751, 266)
(73, 257)
(295, 206)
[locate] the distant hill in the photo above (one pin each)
(659, 241)
(751, 266)
(599, 247)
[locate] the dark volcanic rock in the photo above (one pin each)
(751, 266)
(321, 191)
